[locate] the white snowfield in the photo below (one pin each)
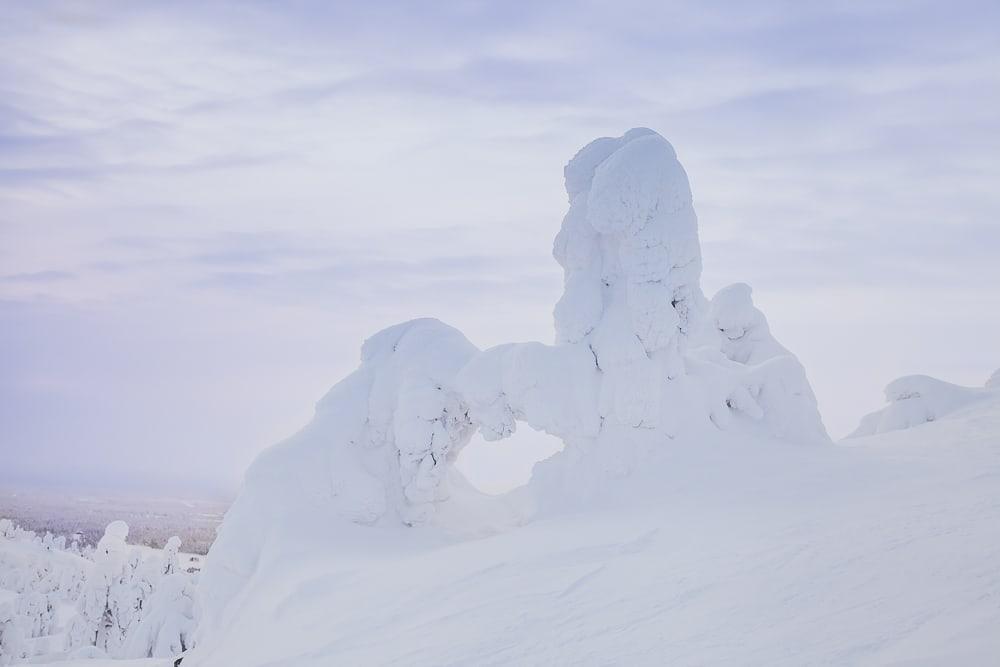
(698, 513)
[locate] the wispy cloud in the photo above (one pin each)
(37, 277)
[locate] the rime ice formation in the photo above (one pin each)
(769, 383)
(745, 336)
(640, 359)
(629, 240)
(918, 399)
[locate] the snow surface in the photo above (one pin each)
(726, 552)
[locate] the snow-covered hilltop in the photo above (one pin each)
(642, 364)
(698, 513)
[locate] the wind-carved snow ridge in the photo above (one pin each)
(641, 362)
(917, 399)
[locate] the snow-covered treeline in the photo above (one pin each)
(117, 600)
(84, 515)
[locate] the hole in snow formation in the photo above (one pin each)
(497, 467)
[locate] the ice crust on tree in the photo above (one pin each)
(641, 362)
(917, 399)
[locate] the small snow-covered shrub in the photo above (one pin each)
(917, 399)
(167, 628)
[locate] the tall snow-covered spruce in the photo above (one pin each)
(641, 363)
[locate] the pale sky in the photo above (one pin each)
(206, 207)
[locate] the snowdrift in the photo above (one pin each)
(744, 551)
(642, 365)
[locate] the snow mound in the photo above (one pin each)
(918, 399)
(753, 551)
(641, 362)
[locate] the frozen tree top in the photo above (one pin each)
(116, 530)
(629, 243)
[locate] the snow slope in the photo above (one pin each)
(886, 551)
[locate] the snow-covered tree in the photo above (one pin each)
(113, 595)
(632, 262)
(640, 360)
(98, 623)
(37, 613)
(13, 647)
(170, 550)
(167, 627)
(744, 334)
